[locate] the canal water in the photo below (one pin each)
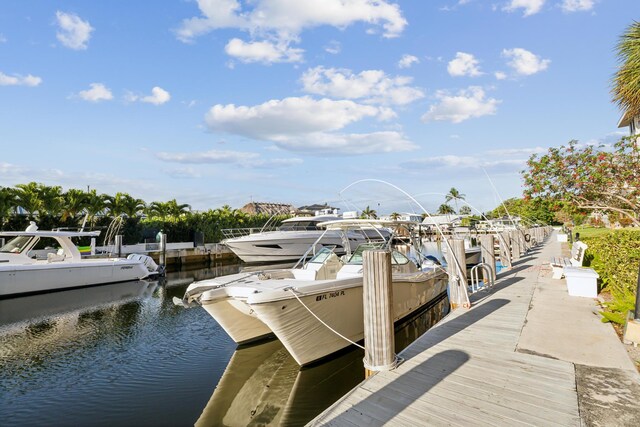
(124, 354)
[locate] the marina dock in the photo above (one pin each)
(526, 353)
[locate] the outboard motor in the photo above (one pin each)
(153, 268)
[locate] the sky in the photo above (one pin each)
(353, 103)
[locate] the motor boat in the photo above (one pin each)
(293, 238)
(313, 307)
(35, 261)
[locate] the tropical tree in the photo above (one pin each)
(465, 210)
(51, 200)
(124, 204)
(177, 210)
(75, 201)
(28, 198)
(445, 209)
(95, 205)
(369, 213)
(394, 216)
(626, 81)
(7, 203)
(579, 177)
(454, 195)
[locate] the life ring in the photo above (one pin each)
(527, 238)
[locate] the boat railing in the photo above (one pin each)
(230, 233)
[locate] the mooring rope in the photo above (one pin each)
(321, 321)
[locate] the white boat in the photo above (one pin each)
(294, 237)
(305, 307)
(26, 268)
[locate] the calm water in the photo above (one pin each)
(124, 354)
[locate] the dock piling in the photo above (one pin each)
(377, 295)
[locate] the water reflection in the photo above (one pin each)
(263, 384)
(124, 354)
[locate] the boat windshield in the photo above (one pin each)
(16, 245)
(322, 255)
(397, 258)
(300, 225)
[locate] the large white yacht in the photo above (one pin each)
(25, 270)
(293, 238)
(305, 307)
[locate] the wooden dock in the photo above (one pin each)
(470, 370)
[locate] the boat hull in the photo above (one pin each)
(278, 246)
(235, 317)
(45, 277)
(308, 340)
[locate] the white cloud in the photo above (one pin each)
(284, 20)
(243, 159)
(207, 157)
(524, 62)
(308, 125)
(264, 51)
(500, 75)
(278, 119)
(464, 64)
(18, 80)
(466, 104)
(467, 162)
(577, 5)
(97, 93)
(407, 61)
(158, 96)
(531, 7)
(331, 144)
(73, 32)
(3, 39)
(372, 86)
(333, 47)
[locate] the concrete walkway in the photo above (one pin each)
(525, 354)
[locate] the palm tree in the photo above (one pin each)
(124, 204)
(7, 203)
(454, 195)
(177, 210)
(465, 210)
(75, 201)
(51, 200)
(157, 209)
(28, 198)
(626, 81)
(95, 205)
(369, 213)
(445, 209)
(394, 216)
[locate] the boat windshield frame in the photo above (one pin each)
(18, 245)
(397, 258)
(322, 255)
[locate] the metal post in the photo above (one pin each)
(118, 244)
(377, 296)
(163, 249)
(93, 246)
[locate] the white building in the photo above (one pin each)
(632, 121)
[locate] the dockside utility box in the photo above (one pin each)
(562, 237)
(581, 281)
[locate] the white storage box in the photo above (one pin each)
(581, 281)
(562, 237)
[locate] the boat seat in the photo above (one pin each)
(58, 256)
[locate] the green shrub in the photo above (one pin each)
(616, 258)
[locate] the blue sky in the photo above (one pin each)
(217, 102)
